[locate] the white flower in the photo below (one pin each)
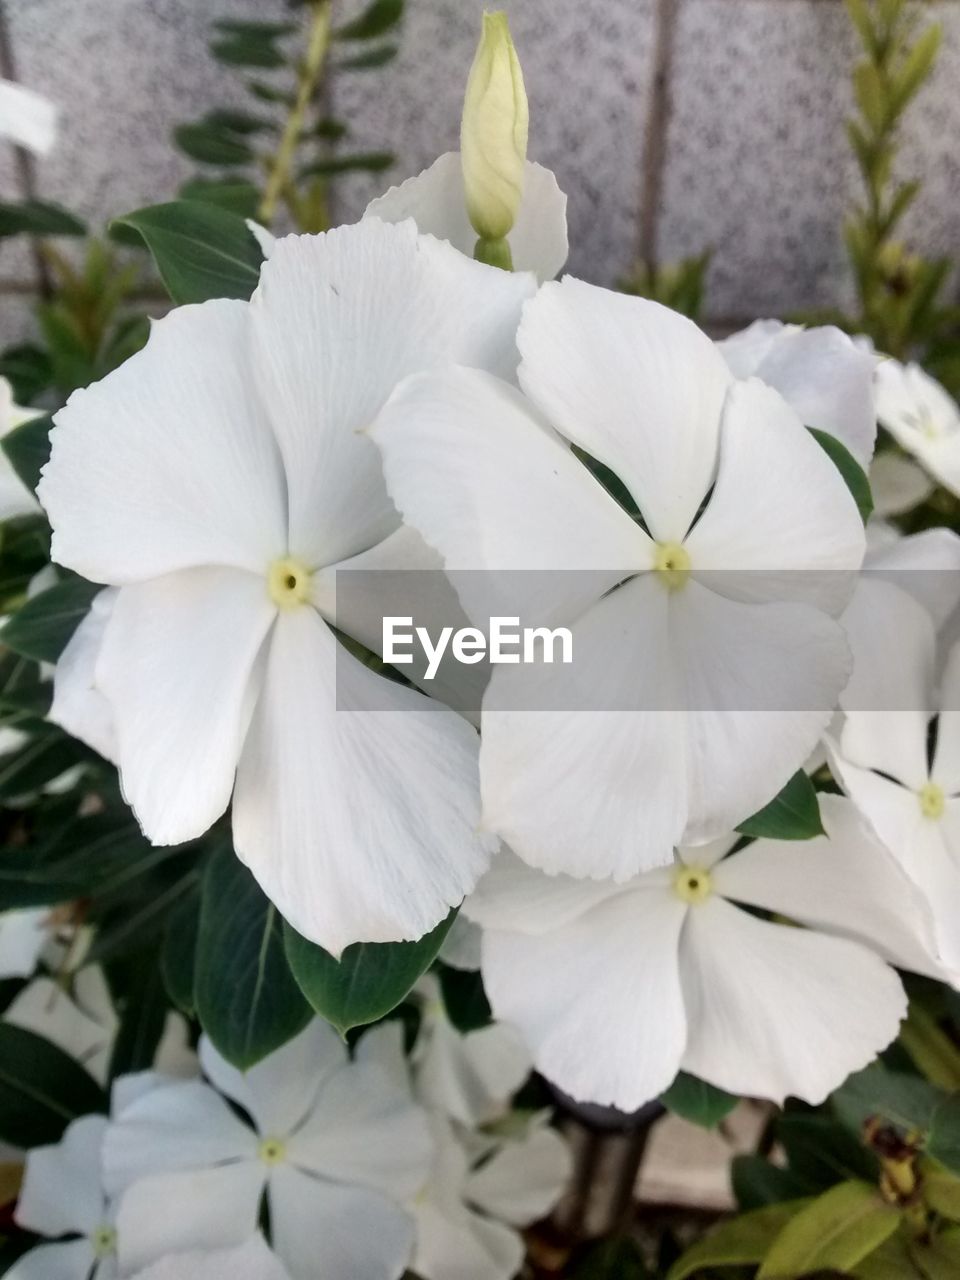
(922, 418)
(668, 735)
(897, 484)
(435, 200)
(15, 498)
(616, 987)
(926, 565)
(63, 1195)
(334, 1145)
(250, 1261)
(218, 479)
(821, 373)
(26, 118)
(880, 752)
(78, 705)
(461, 946)
(23, 936)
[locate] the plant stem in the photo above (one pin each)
(309, 76)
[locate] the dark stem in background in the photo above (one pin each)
(655, 140)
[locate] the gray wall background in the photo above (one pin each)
(672, 125)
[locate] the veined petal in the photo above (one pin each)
(69, 1261)
(179, 668)
(745, 350)
(61, 1188)
(926, 565)
(815, 1008)
(513, 897)
(637, 386)
(845, 883)
(523, 1180)
(27, 119)
(169, 462)
(759, 682)
(320, 1228)
(538, 240)
(78, 705)
(472, 465)
(356, 803)
(338, 320)
(781, 523)
(610, 720)
(464, 1246)
(598, 1000)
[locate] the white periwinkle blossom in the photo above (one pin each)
(703, 681)
(821, 373)
(250, 1261)
(335, 1145)
(489, 189)
(15, 498)
(922, 417)
(616, 987)
(27, 118)
(63, 1196)
(219, 480)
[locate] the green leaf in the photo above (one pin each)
(916, 67)
(254, 30)
(378, 17)
(697, 1101)
(853, 474)
(834, 1232)
(178, 955)
(38, 218)
(615, 1259)
(370, 59)
(143, 1015)
(247, 1000)
(756, 1183)
(822, 1152)
(794, 814)
(41, 1089)
(28, 369)
(241, 198)
(369, 980)
(44, 625)
(464, 998)
(201, 251)
(247, 51)
(741, 1241)
(904, 1101)
(369, 161)
(943, 1139)
(941, 1190)
(28, 449)
(212, 144)
(29, 768)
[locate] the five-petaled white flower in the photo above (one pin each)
(705, 667)
(219, 480)
(922, 417)
(616, 987)
(335, 1146)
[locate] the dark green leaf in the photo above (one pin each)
(901, 1100)
(241, 122)
(28, 449)
(378, 17)
(28, 369)
(697, 1101)
(611, 1260)
(332, 130)
(143, 1015)
(44, 625)
(943, 1140)
(756, 1182)
(246, 51)
(178, 957)
(370, 59)
(370, 162)
(464, 998)
(247, 1000)
(369, 980)
(29, 768)
(38, 218)
(853, 474)
(241, 198)
(124, 927)
(794, 814)
(212, 144)
(201, 251)
(822, 1152)
(254, 30)
(41, 1089)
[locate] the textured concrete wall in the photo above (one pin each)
(673, 125)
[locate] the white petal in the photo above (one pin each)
(383, 1045)
(168, 462)
(636, 385)
(279, 1091)
(846, 883)
(23, 935)
(250, 1261)
(195, 1209)
(365, 1130)
(356, 803)
(523, 1180)
(776, 1011)
(598, 1000)
(435, 200)
(339, 319)
(46, 1009)
(464, 1247)
(946, 760)
(461, 946)
(897, 484)
(178, 667)
(27, 119)
(514, 898)
(779, 506)
(320, 1228)
(78, 705)
(927, 565)
(828, 381)
(609, 722)
(745, 350)
(61, 1189)
(759, 682)
(473, 467)
(913, 406)
(887, 700)
(180, 1126)
(69, 1261)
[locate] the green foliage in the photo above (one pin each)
(38, 218)
(27, 448)
(834, 1232)
(41, 1089)
(742, 1241)
(697, 1101)
(793, 814)
(679, 285)
(853, 474)
(42, 628)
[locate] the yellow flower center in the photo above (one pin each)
(272, 1151)
(672, 561)
(932, 800)
(104, 1241)
(288, 581)
(692, 884)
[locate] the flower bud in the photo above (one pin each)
(493, 132)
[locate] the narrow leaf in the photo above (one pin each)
(794, 814)
(741, 1241)
(39, 218)
(853, 474)
(44, 625)
(378, 17)
(41, 1089)
(834, 1232)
